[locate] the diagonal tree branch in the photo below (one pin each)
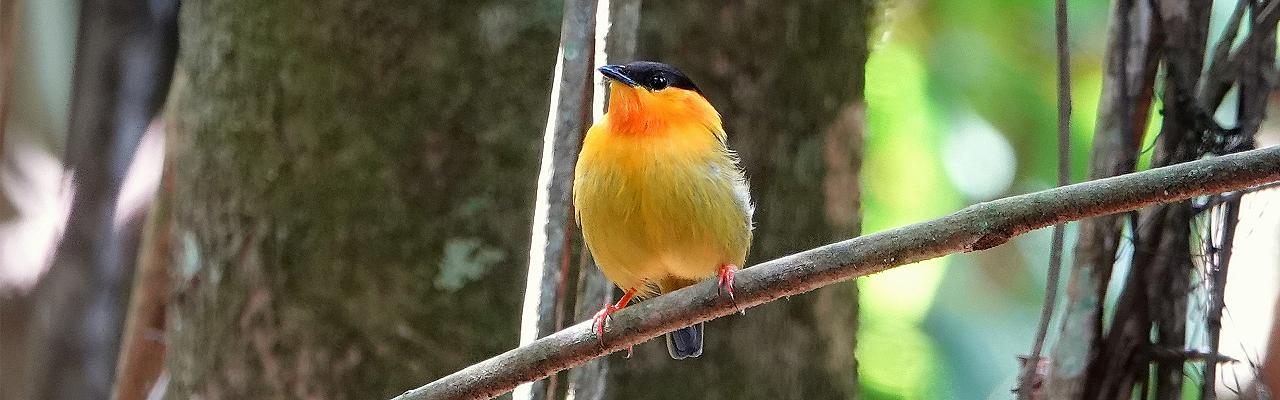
(977, 227)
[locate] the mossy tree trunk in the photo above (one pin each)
(353, 191)
(354, 182)
(788, 79)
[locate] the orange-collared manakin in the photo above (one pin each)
(660, 197)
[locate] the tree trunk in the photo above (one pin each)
(787, 77)
(617, 26)
(353, 191)
(124, 62)
(1130, 65)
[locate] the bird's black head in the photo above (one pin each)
(650, 75)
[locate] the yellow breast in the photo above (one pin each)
(660, 202)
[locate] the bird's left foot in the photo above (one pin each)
(727, 272)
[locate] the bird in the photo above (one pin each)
(661, 200)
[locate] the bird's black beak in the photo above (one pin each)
(618, 73)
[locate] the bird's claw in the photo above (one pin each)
(600, 318)
(603, 315)
(727, 272)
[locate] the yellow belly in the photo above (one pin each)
(658, 210)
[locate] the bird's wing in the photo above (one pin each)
(742, 193)
(577, 208)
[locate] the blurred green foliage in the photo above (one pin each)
(961, 109)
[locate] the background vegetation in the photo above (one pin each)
(389, 149)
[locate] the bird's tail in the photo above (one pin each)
(685, 342)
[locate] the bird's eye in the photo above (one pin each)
(658, 82)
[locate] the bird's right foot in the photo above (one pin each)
(603, 315)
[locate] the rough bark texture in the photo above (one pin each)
(551, 247)
(789, 88)
(142, 347)
(353, 191)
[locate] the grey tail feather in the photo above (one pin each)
(685, 342)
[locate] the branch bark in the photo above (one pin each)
(142, 348)
(125, 52)
(1254, 88)
(617, 26)
(1161, 262)
(1220, 262)
(976, 227)
(1122, 120)
(8, 30)
(1032, 377)
(549, 253)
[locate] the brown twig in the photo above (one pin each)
(976, 227)
(1162, 262)
(1027, 389)
(1181, 355)
(1219, 264)
(1132, 47)
(1227, 65)
(142, 349)
(1221, 72)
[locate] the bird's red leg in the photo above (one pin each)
(603, 315)
(726, 280)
